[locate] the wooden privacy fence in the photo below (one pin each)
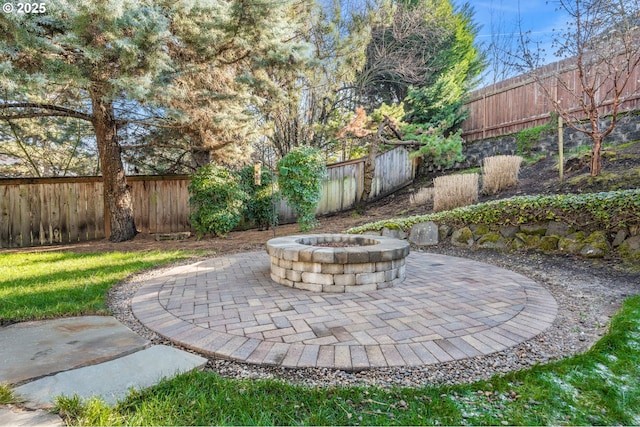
(343, 185)
(44, 211)
(519, 103)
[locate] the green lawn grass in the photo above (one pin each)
(599, 387)
(6, 394)
(56, 284)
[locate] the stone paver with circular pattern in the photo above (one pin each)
(446, 309)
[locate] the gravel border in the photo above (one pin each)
(588, 292)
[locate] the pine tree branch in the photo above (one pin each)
(22, 147)
(49, 111)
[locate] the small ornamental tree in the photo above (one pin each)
(300, 181)
(217, 201)
(601, 41)
(427, 141)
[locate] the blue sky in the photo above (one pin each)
(502, 17)
(538, 16)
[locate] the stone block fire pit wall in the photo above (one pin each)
(337, 262)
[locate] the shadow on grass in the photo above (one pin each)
(69, 284)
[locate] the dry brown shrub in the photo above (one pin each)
(423, 196)
(500, 173)
(453, 191)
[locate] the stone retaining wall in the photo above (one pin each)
(550, 237)
(627, 129)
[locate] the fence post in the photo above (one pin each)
(560, 149)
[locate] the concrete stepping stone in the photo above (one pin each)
(111, 380)
(31, 350)
(19, 418)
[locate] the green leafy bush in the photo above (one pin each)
(588, 212)
(217, 200)
(300, 181)
(527, 138)
(259, 208)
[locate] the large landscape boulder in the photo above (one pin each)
(424, 234)
(621, 236)
(596, 245)
(492, 241)
(557, 228)
(534, 229)
(630, 248)
(462, 237)
(572, 244)
(394, 232)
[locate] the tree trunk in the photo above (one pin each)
(596, 156)
(370, 163)
(200, 157)
(369, 174)
(117, 193)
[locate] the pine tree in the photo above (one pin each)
(315, 90)
(122, 56)
(421, 52)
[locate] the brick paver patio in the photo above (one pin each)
(447, 309)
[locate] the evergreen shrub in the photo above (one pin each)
(301, 173)
(259, 208)
(217, 200)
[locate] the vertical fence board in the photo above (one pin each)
(45, 215)
(5, 219)
(286, 214)
(139, 193)
(164, 198)
(394, 169)
(159, 206)
(14, 216)
(55, 208)
(14, 194)
(90, 219)
(350, 187)
(81, 211)
(34, 214)
(72, 202)
(146, 191)
(158, 200)
(183, 203)
(64, 213)
(167, 191)
(90, 211)
(152, 200)
(25, 220)
(170, 207)
(178, 210)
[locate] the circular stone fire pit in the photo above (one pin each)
(337, 262)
